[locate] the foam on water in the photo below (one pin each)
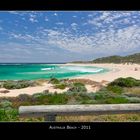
(81, 69)
(46, 68)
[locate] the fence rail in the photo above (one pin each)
(49, 112)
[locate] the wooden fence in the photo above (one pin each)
(49, 112)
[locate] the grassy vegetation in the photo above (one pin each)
(60, 86)
(54, 81)
(77, 88)
(115, 89)
(125, 82)
(17, 84)
(7, 112)
(122, 90)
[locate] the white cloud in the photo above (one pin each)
(59, 23)
(107, 41)
(90, 15)
(74, 26)
(33, 18)
(55, 14)
(107, 18)
(74, 16)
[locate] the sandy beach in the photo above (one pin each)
(115, 71)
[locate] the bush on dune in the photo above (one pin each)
(115, 89)
(60, 86)
(125, 82)
(77, 87)
(17, 84)
(54, 81)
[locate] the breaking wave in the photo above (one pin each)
(46, 68)
(80, 69)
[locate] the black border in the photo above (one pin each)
(100, 129)
(69, 5)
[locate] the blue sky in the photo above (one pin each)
(58, 36)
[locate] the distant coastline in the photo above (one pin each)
(133, 58)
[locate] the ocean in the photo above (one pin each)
(45, 71)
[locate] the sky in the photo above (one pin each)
(60, 36)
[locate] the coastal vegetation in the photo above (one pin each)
(17, 84)
(121, 90)
(134, 58)
(58, 84)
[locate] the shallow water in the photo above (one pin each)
(44, 71)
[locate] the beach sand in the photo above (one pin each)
(31, 90)
(115, 71)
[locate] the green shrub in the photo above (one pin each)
(5, 104)
(50, 98)
(60, 86)
(77, 87)
(9, 85)
(77, 84)
(82, 97)
(133, 99)
(54, 81)
(116, 100)
(57, 99)
(115, 89)
(8, 115)
(125, 82)
(101, 95)
(17, 84)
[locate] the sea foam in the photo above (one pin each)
(80, 69)
(46, 69)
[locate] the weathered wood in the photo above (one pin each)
(52, 110)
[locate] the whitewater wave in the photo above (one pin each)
(94, 70)
(46, 68)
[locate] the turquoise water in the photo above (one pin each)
(44, 71)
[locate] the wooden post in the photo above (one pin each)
(50, 118)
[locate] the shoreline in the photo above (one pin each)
(115, 71)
